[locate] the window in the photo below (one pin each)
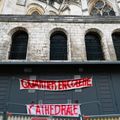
(101, 8)
(116, 42)
(19, 45)
(35, 13)
(35, 9)
(58, 46)
(93, 46)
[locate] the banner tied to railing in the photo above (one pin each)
(53, 85)
(72, 110)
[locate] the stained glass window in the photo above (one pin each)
(101, 8)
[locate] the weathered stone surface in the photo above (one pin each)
(39, 36)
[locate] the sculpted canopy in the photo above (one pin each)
(55, 7)
(63, 5)
(52, 2)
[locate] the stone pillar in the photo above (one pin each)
(78, 51)
(1, 5)
(84, 7)
(117, 7)
(109, 51)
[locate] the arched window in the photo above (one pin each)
(116, 42)
(93, 46)
(19, 45)
(101, 8)
(35, 9)
(35, 13)
(58, 46)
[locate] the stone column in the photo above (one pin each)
(78, 51)
(110, 51)
(117, 7)
(1, 5)
(84, 8)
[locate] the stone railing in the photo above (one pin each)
(60, 19)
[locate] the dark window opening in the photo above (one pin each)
(58, 46)
(93, 46)
(116, 42)
(19, 45)
(35, 13)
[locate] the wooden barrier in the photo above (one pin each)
(29, 117)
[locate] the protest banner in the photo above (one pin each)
(69, 110)
(53, 85)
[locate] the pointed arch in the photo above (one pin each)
(35, 9)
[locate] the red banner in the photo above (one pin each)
(72, 110)
(53, 85)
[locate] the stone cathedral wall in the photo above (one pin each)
(39, 30)
(73, 7)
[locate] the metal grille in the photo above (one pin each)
(116, 42)
(19, 45)
(58, 46)
(93, 46)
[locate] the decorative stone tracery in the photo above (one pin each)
(102, 8)
(35, 9)
(62, 6)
